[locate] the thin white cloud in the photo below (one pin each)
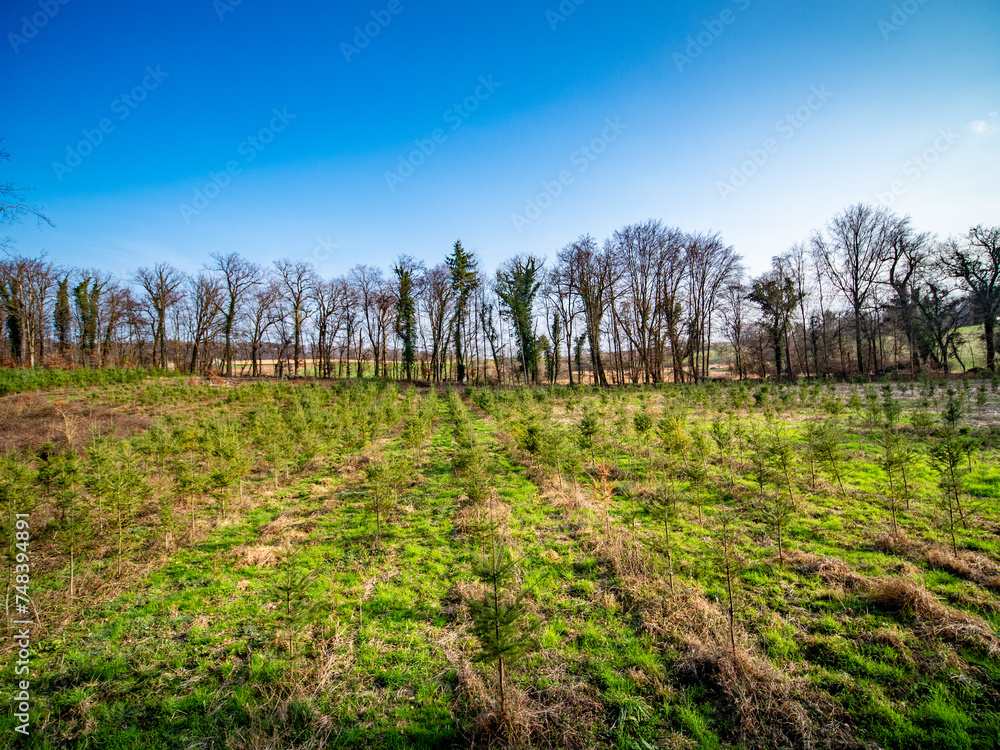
(981, 127)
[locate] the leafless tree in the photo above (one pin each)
(240, 276)
(117, 305)
(370, 285)
(637, 250)
(331, 298)
(297, 282)
(438, 304)
(559, 290)
(943, 312)
(384, 313)
(775, 295)
(591, 274)
(906, 268)
(711, 265)
(349, 319)
(735, 314)
(974, 261)
(795, 265)
(489, 321)
(262, 314)
(14, 205)
(163, 285)
(854, 250)
(26, 286)
(206, 300)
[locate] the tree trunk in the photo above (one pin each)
(858, 342)
(989, 325)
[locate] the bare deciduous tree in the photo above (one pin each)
(734, 317)
(206, 302)
(854, 250)
(591, 275)
(240, 276)
(262, 314)
(906, 267)
(14, 205)
(711, 265)
(163, 285)
(974, 261)
(297, 281)
(438, 299)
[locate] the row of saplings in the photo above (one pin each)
(710, 462)
(129, 493)
(500, 622)
(766, 448)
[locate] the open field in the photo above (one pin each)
(273, 565)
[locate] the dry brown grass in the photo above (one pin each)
(28, 420)
(902, 594)
(936, 620)
(259, 555)
(893, 543)
(624, 554)
(969, 565)
(453, 605)
(473, 520)
(568, 496)
(288, 528)
(833, 571)
(769, 709)
(563, 715)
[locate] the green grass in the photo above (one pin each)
(190, 646)
(32, 379)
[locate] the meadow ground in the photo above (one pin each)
(273, 565)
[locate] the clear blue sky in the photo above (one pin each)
(687, 116)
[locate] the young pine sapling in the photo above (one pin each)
(728, 561)
(386, 479)
(295, 599)
(500, 620)
(589, 428)
(74, 531)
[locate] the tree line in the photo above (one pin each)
(866, 295)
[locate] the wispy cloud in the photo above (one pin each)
(984, 127)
